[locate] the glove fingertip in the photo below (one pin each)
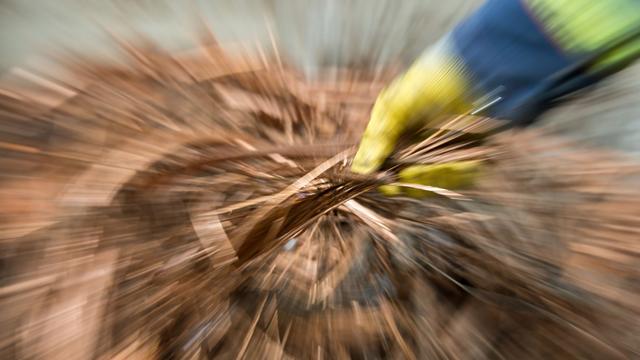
(390, 190)
(370, 157)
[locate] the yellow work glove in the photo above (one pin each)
(434, 85)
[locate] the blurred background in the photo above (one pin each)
(310, 34)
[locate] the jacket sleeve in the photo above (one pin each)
(523, 55)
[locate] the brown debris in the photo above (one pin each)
(200, 206)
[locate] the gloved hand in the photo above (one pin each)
(435, 85)
(525, 53)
